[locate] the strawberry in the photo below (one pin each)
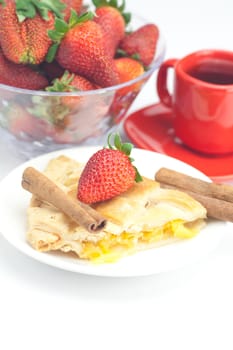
(23, 29)
(112, 20)
(20, 76)
(57, 109)
(62, 137)
(23, 125)
(128, 69)
(142, 42)
(82, 115)
(72, 4)
(69, 83)
(81, 49)
(108, 173)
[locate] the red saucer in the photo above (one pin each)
(151, 128)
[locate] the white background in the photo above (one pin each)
(45, 308)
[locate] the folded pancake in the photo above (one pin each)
(142, 217)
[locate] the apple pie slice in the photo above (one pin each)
(143, 217)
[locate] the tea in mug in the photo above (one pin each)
(220, 73)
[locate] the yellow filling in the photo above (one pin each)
(113, 247)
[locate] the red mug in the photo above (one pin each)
(202, 99)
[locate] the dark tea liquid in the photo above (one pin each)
(220, 73)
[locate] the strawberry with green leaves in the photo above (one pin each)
(142, 42)
(81, 49)
(20, 76)
(112, 19)
(61, 110)
(108, 173)
(24, 26)
(70, 82)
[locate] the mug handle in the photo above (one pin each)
(162, 90)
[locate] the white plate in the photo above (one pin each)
(14, 201)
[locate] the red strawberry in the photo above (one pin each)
(20, 76)
(71, 82)
(141, 42)
(72, 4)
(82, 50)
(68, 83)
(128, 69)
(61, 136)
(23, 125)
(110, 18)
(23, 30)
(107, 173)
(64, 111)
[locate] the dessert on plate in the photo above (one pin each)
(140, 217)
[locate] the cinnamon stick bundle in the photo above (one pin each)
(216, 198)
(41, 186)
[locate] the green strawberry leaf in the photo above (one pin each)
(52, 52)
(122, 7)
(55, 36)
(109, 141)
(24, 10)
(121, 53)
(96, 3)
(136, 57)
(61, 26)
(117, 142)
(138, 177)
(87, 16)
(63, 84)
(127, 17)
(113, 3)
(56, 6)
(76, 19)
(29, 8)
(127, 148)
(73, 18)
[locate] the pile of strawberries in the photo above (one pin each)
(58, 45)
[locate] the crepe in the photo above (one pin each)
(142, 217)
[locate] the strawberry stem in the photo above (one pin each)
(125, 148)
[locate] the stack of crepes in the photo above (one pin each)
(143, 217)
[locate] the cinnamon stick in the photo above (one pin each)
(216, 208)
(41, 186)
(189, 183)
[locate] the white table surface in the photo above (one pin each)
(45, 308)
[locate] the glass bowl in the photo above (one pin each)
(36, 122)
